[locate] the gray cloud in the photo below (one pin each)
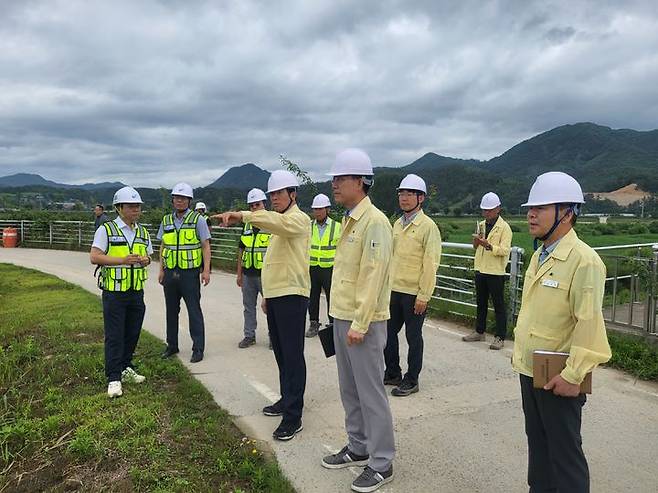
(151, 92)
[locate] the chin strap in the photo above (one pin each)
(574, 208)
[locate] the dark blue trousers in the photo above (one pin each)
(402, 313)
(123, 314)
(556, 462)
(286, 318)
(185, 284)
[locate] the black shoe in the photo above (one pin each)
(246, 342)
(392, 380)
(371, 480)
(344, 458)
(287, 432)
(273, 410)
(196, 357)
(313, 328)
(405, 388)
(168, 353)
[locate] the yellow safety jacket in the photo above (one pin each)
(494, 261)
(182, 247)
(561, 310)
(323, 249)
(254, 247)
(416, 257)
(360, 284)
(124, 277)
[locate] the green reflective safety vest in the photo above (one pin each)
(181, 248)
(124, 277)
(255, 246)
(323, 249)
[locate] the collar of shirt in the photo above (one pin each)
(122, 225)
(179, 220)
(546, 251)
(357, 211)
(406, 220)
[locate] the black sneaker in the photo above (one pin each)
(344, 458)
(169, 352)
(273, 410)
(287, 432)
(196, 357)
(405, 388)
(246, 342)
(392, 380)
(313, 329)
(371, 480)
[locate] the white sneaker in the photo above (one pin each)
(131, 376)
(114, 389)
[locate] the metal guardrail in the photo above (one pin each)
(633, 292)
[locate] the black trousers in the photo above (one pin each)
(402, 312)
(184, 283)
(286, 318)
(488, 285)
(320, 279)
(556, 462)
(123, 314)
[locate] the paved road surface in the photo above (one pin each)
(462, 433)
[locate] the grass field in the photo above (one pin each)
(59, 431)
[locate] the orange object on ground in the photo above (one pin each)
(10, 237)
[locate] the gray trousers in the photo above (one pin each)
(251, 286)
(368, 419)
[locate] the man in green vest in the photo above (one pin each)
(251, 250)
(325, 233)
(121, 248)
(184, 258)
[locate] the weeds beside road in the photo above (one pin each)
(59, 431)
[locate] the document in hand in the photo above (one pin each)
(547, 364)
(327, 340)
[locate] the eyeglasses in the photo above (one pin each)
(406, 194)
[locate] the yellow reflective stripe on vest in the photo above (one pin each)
(182, 247)
(124, 277)
(323, 250)
(255, 247)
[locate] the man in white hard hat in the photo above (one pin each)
(325, 233)
(121, 249)
(184, 265)
(286, 286)
(561, 310)
(252, 246)
(492, 243)
(201, 208)
(416, 256)
(360, 306)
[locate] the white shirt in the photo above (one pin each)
(100, 237)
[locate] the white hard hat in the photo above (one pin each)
(489, 201)
(255, 195)
(351, 162)
(183, 189)
(280, 179)
(200, 205)
(413, 182)
(320, 201)
(555, 187)
(126, 195)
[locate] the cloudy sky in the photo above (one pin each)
(153, 92)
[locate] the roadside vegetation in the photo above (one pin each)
(59, 431)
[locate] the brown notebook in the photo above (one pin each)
(547, 364)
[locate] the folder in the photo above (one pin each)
(547, 364)
(326, 336)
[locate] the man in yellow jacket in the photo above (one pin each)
(286, 286)
(561, 310)
(360, 307)
(416, 256)
(492, 243)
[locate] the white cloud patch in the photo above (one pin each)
(151, 92)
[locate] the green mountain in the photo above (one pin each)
(243, 177)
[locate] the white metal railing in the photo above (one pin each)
(454, 281)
